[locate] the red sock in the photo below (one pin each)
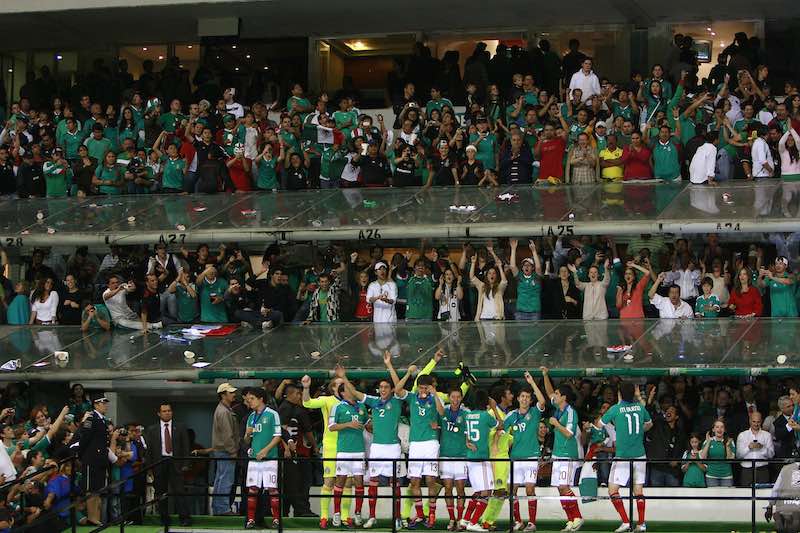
(273, 502)
(640, 501)
(516, 511)
(418, 508)
(432, 511)
(619, 505)
(359, 499)
(565, 504)
(451, 510)
(252, 503)
(473, 502)
(373, 499)
(460, 507)
(479, 509)
(532, 510)
(337, 499)
(397, 500)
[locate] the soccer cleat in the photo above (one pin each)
(251, 524)
(370, 523)
(518, 526)
(577, 524)
(623, 528)
(451, 526)
(337, 519)
(323, 523)
(641, 527)
(489, 526)
(358, 520)
(404, 522)
(530, 527)
(415, 523)
(400, 523)
(462, 525)
(568, 526)
(275, 523)
(350, 524)
(431, 521)
(475, 527)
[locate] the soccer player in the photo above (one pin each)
(481, 476)
(263, 433)
(329, 439)
(386, 410)
(630, 420)
(499, 449)
(426, 410)
(348, 419)
(523, 425)
(454, 447)
(565, 449)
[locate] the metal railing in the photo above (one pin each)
(510, 496)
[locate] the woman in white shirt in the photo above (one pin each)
(491, 290)
(44, 303)
(449, 293)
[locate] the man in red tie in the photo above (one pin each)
(166, 440)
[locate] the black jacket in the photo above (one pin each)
(784, 439)
(153, 435)
(93, 439)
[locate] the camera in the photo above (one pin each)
(122, 432)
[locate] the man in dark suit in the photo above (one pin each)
(784, 435)
(93, 440)
(166, 440)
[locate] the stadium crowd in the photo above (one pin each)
(529, 117)
(590, 278)
(682, 422)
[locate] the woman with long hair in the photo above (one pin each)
(563, 297)
(745, 300)
(490, 290)
(449, 294)
(630, 293)
(44, 303)
(718, 445)
(129, 128)
(789, 150)
(594, 291)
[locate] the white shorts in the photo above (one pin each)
(423, 459)
(481, 476)
(352, 467)
(383, 451)
(621, 472)
(526, 472)
(456, 470)
(563, 472)
(262, 474)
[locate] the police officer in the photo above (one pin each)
(93, 440)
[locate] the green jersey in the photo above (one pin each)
(479, 426)
(694, 476)
(266, 426)
(629, 419)
(452, 440)
(349, 440)
(524, 427)
(529, 293)
(423, 418)
(666, 159)
(420, 298)
(170, 122)
(56, 177)
(566, 447)
(69, 142)
(437, 104)
(98, 147)
(209, 311)
(266, 176)
(718, 469)
(187, 306)
(173, 172)
(106, 173)
(385, 419)
(487, 149)
(707, 306)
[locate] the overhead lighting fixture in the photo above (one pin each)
(247, 56)
(234, 47)
(713, 34)
(266, 68)
(11, 70)
(236, 69)
(144, 49)
(189, 46)
(160, 58)
(358, 46)
(708, 29)
(59, 57)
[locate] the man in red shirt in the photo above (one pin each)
(549, 151)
